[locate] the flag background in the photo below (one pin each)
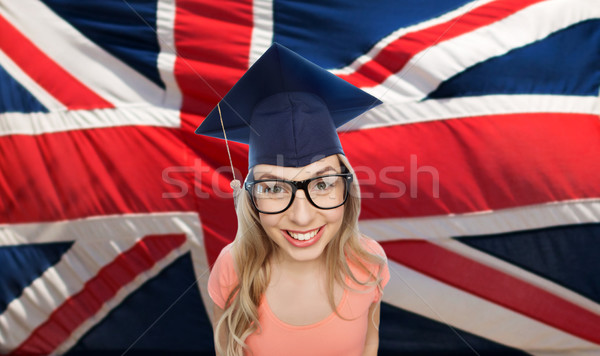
(479, 173)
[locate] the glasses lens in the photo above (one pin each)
(271, 196)
(327, 192)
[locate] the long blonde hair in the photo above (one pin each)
(252, 251)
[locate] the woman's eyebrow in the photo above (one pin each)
(267, 175)
(324, 170)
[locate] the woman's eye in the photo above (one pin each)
(325, 184)
(321, 185)
(271, 188)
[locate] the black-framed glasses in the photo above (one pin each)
(274, 196)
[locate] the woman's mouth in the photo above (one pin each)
(303, 239)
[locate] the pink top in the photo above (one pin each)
(330, 336)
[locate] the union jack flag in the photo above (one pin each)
(479, 174)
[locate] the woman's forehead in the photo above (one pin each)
(326, 165)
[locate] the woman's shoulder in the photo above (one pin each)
(371, 246)
(380, 269)
(223, 277)
(372, 265)
(226, 251)
(225, 262)
(369, 255)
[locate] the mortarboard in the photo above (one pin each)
(287, 109)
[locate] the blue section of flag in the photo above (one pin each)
(334, 33)
(166, 313)
(126, 29)
(15, 98)
(416, 335)
(22, 264)
(556, 253)
(564, 63)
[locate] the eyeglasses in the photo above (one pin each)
(274, 196)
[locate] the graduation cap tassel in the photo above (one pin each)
(235, 183)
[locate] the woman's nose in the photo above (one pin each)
(301, 212)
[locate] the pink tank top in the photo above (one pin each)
(330, 336)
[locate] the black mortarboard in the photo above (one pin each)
(287, 109)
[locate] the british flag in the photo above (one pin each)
(480, 173)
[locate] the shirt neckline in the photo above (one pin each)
(271, 314)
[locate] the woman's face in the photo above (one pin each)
(303, 230)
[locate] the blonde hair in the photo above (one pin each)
(252, 251)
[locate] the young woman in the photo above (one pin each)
(299, 278)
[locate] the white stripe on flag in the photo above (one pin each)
(484, 223)
(262, 31)
(165, 28)
(390, 114)
(102, 228)
(15, 123)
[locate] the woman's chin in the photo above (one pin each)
(293, 253)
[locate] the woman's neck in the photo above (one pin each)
(299, 268)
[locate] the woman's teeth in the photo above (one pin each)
(303, 237)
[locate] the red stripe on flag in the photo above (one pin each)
(475, 164)
(97, 291)
(45, 72)
(395, 55)
(207, 66)
(481, 163)
(81, 173)
(491, 284)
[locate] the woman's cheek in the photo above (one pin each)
(270, 223)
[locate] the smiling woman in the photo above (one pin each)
(299, 278)
(299, 230)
